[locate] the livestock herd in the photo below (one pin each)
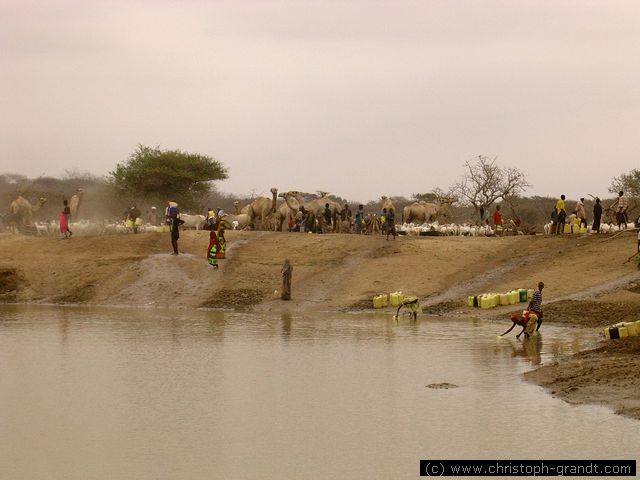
(264, 213)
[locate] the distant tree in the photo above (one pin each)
(629, 183)
(167, 175)
(434, 195)
(424, 197)
(485, 182)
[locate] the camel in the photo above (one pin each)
(235, 222)
(317, 205)
(263, 207)
(21, 212)
(385, 202)
(290, 206)
(422, 212)
(238, 210)
(74, 203)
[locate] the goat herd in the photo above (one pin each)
(197, 222)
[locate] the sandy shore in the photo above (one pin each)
(588, 285)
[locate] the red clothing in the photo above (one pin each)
(497, 217)
(64, 223)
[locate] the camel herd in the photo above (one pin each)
(21, 210)
(266, 213)
(263, 213)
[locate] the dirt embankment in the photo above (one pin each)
(588, 285)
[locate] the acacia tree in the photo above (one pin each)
(484, 182)
(628, 183)
(167, 174)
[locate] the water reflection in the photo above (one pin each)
(529, 349)
(286, 326)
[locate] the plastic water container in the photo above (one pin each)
(530, 293)
(482, 302)
(485, 301)
(611, 333)
(623, 332)
(567, 228)
(396, 298)
(380, 301)
(607, 332)
(130, 224)
(522, 294)
(495, 300)
(504, 299)
(470, 300)
(632, 329)
(513, 297)
(583, 230)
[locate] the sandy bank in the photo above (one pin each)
(588, 283)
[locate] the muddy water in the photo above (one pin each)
(148, 394)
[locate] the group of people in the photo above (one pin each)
(328, 221)
(331, 221)
(559, 214)
(217, 241)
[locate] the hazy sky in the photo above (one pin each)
(359, 98)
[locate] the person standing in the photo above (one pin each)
(597, 215)
(497, 218)
(223, 243)
(65, 219)
(359, 219)
(348, 210)
(622, 203)
(175, 233)
(301, 217)
(345, 216)
(562, 214)
(310, 221)
(134, 216)
(287, 271)
(326, 214)
(153, 217)
(213, 249)
(391, 223)
(383, 221)
(535, 305)
(580, 213)
(485, 215)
